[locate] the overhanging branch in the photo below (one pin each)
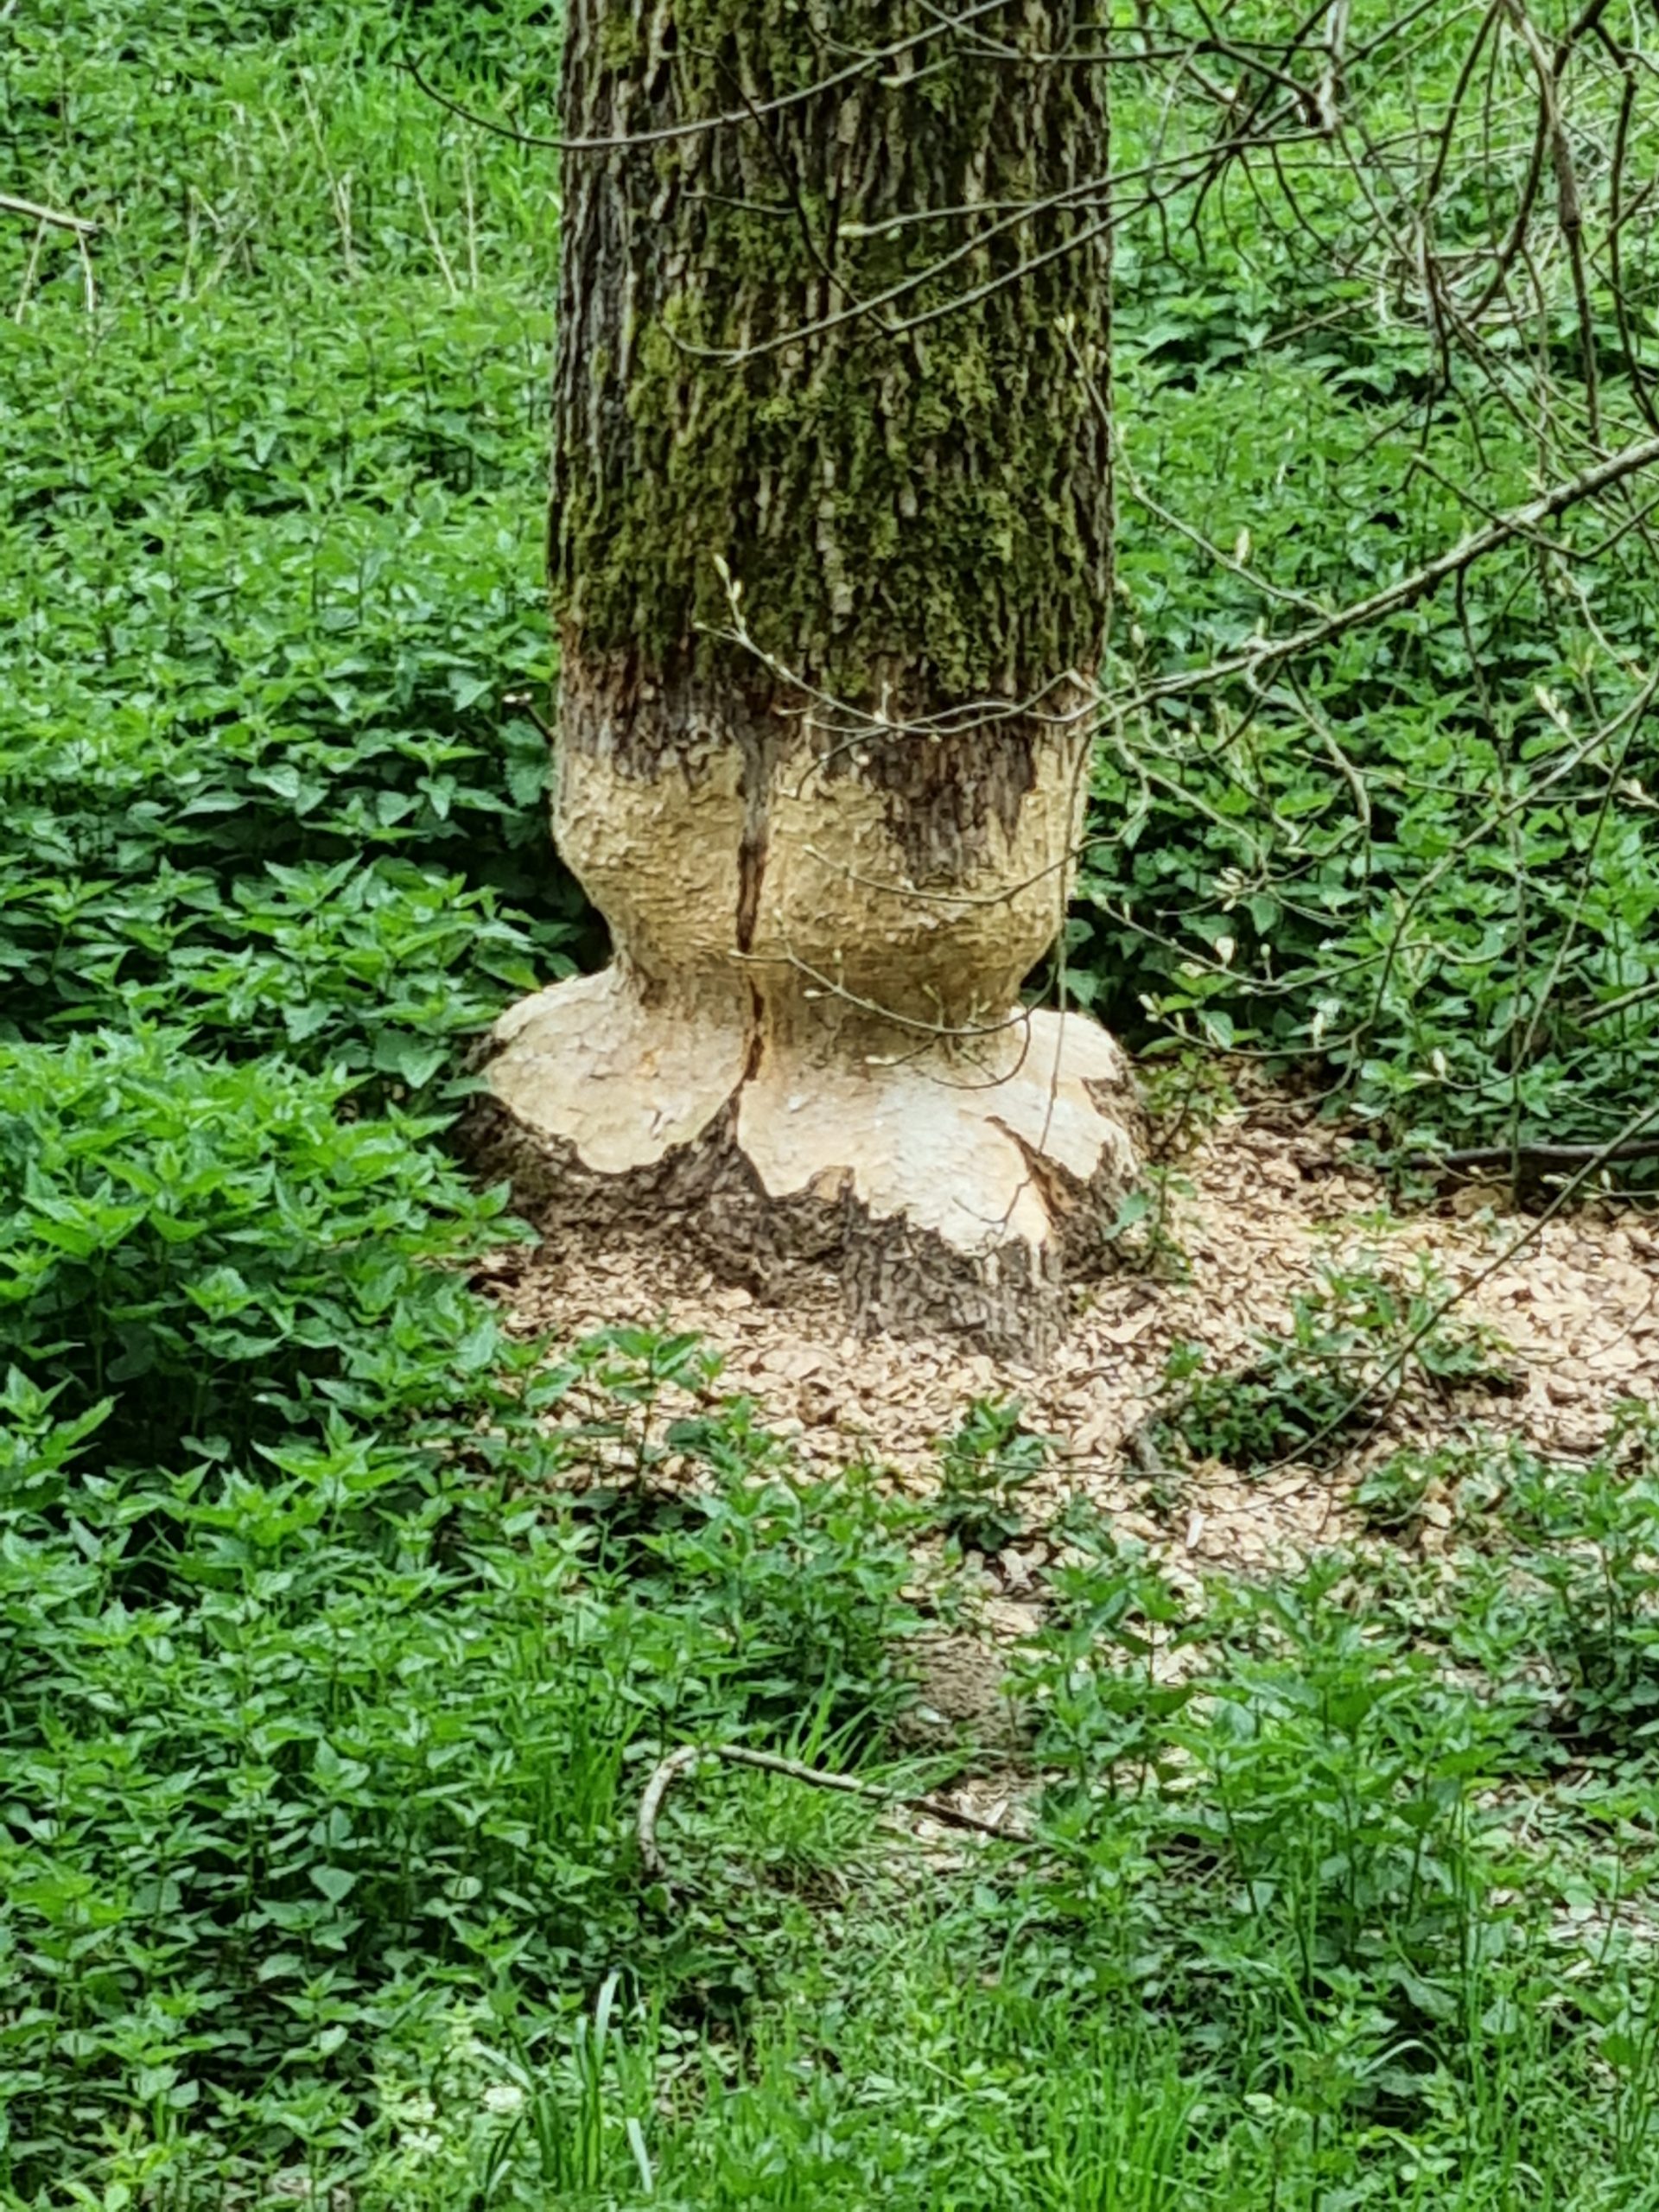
(1267, 653)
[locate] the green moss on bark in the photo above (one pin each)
(932, 506)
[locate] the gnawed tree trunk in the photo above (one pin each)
(828, 856)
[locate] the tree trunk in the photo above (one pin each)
(831, 849)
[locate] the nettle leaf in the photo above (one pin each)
(397, 1052)
(478, 1347)
(304, 1022)
(222, 1290)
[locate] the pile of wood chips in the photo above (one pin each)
(1270, 1196)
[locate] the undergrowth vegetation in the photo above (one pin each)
(342, 1629)
(1355, 1341)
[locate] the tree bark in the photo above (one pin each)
(829, 850)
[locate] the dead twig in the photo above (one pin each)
(1393, 598)
(1544, 1156)
(862, 64)
(56, 217)
(685, 1757)
(1392, 1374)
(522, 703)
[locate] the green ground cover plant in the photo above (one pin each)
(339, 1630)
(1361, 1336)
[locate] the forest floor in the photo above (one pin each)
(346, 1611)
(1266, 1209)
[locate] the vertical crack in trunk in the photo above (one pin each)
(751, 876)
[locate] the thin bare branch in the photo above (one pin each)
(695, 126)
(55, 216)
(1420, 583)
(687, 1756)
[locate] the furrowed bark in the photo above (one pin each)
(810, 1045)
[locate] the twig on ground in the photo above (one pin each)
(1393, 1372)
(1533, 1156)
(55, 216)
(681, 1760)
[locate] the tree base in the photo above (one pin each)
(951, 1197)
